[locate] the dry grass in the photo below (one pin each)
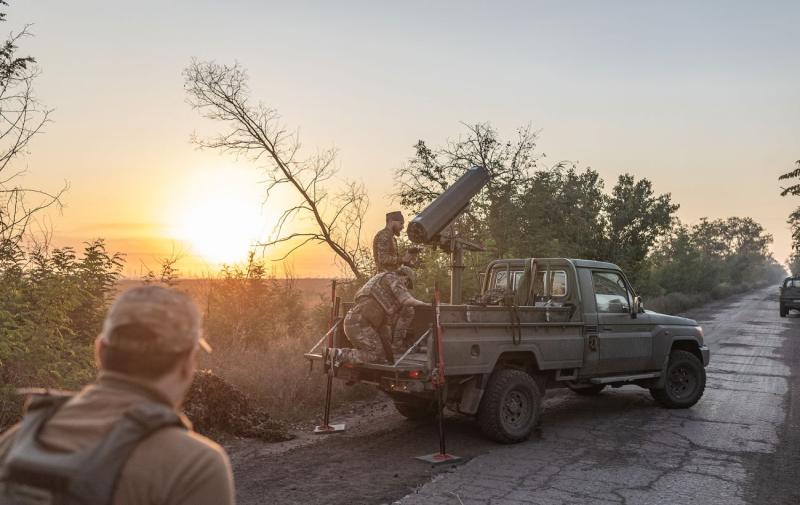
(260, 327)
(278, 378)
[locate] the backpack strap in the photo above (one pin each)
(87, 476)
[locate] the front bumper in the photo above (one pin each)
(706, 353)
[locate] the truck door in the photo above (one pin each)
(624, 344)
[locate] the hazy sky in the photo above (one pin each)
(704, 100)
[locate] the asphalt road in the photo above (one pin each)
(739, 445)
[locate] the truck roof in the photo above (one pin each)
(577, 262)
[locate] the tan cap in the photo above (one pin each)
(170, 315)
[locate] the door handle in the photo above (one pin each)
(607, 328)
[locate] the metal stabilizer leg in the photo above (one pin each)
(326, 427)
(440, 382)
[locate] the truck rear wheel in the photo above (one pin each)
(511, 406)
(685, 381)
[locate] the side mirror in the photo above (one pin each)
(637, 308)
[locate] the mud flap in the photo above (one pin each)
(472, 394)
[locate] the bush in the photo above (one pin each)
(52, 304)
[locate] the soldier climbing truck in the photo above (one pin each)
(539, 323)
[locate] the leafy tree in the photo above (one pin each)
(794, 217)
(560, 213)
(636, 219)
(794, 187)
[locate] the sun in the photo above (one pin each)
(221, 217)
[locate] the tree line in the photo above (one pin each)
(530, 210)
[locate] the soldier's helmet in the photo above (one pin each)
(408, 274)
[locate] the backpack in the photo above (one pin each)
(31, 475)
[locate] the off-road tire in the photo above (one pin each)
(784, 311)
(589, 390)
(511, 406)
(685, 381)
(415, 409)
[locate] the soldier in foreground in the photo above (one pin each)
(384, 245)
(376, 324)
(121, 439)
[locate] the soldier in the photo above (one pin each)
(384, 246)
(121, 440)
(384, 308)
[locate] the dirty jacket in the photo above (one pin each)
(385, 252)
(174, 466)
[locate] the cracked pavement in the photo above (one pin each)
(733, 447)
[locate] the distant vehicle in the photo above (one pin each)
(540, 324)
(790, 295)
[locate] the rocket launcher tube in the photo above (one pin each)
(446, 207)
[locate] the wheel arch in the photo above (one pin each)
(688, 344)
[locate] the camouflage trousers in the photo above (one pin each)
(368, 341)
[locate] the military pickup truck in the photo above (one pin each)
(790, 295)
(539, 324)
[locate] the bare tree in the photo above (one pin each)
(254, 130)
(21, 118)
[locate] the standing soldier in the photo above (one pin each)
(383, 304)
(121, 440)
(384, 246)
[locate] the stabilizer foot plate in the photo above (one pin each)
(332, 428)
(438, 458)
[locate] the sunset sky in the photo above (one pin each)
(704, 100)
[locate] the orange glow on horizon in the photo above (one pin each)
(220, 217)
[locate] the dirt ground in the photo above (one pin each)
(373, 461)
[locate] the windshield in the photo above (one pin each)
(792, 283)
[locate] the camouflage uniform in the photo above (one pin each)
(384, 250)
(380, 310)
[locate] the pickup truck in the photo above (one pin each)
(539, 324)
(790, 295)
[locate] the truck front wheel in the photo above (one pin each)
(511, 406)
(685, 381)
(784, 311)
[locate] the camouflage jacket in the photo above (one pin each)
(388, 289)
(384, 250)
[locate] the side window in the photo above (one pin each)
(610, 293)
(558, 287)
(559, 284)
(500, 281)
(515, 279)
